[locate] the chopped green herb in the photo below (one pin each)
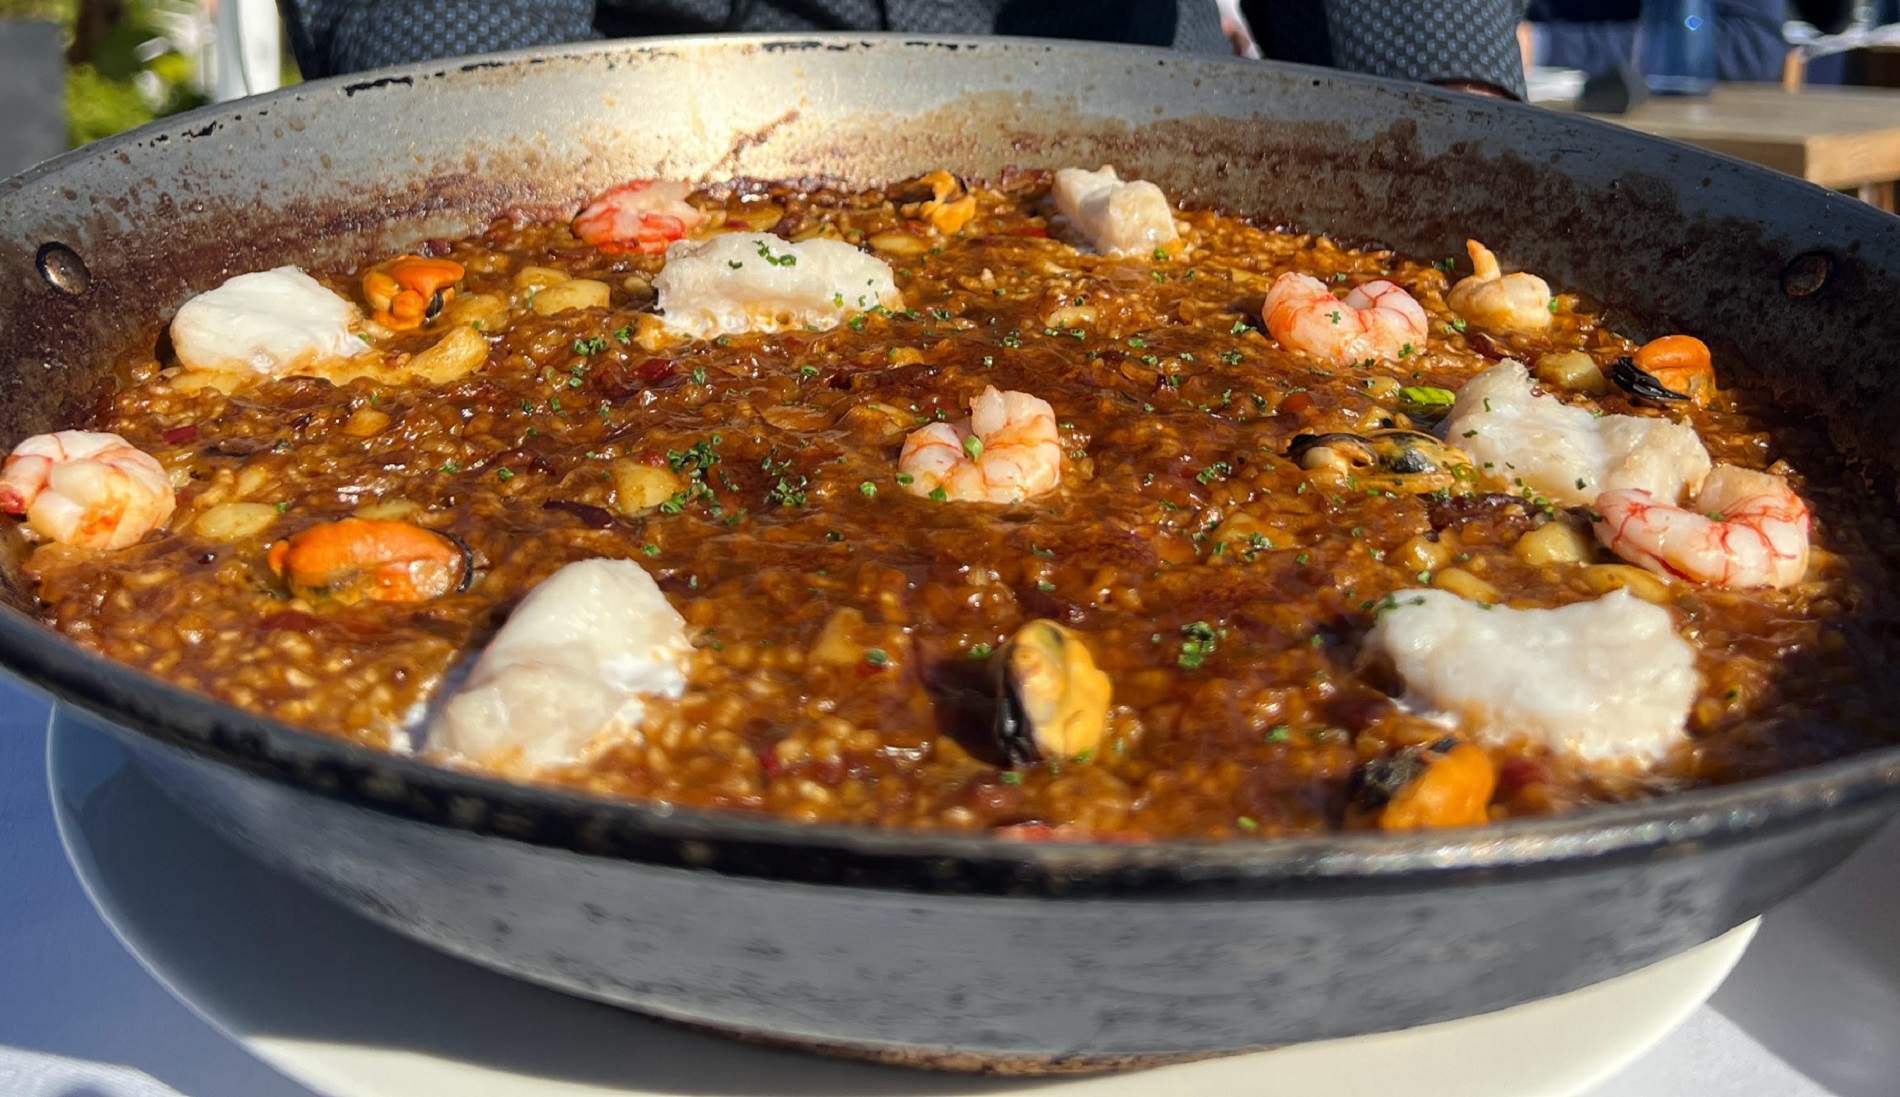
(1010, 777)
(451, 467)
(904, 478)
(1279, 733)
(282, 507)
(877, 657)
(1429, 396)
(1239, 327)
(1198, 642)
(980, 651)
(699, 375)
(591, 346)
(808, 371)
(650, 550)
(786, 260)
(867, 489)
(1245, 823)
(1219, 470)
(504, 474)
(973, 446)
(938, 495)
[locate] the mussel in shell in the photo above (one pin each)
(1641, 383)
(940, 198)
(1408, 462)
(1051, 699)
(1447, 783)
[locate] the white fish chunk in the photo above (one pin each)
(273, 322)
(1603, 680)
(754, 281)
(573, 664)
(1537, 443)
(1118, 218)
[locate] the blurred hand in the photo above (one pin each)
(1525, 47)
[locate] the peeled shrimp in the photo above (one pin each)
(1533, 442)
(1118, 218)
(1489, 298)
(1005, 452)
(1744, 530)
(574, 662)
(85, 488)
(274, 323)
(1377, 321)
(1603, 679)
(644, 216)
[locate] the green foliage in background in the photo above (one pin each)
(109, 88)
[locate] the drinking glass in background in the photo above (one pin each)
(1675, 46)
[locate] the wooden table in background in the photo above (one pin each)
(1844, 138)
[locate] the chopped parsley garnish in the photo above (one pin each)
(1010, 777)
(1045, 585)
(1279, 733)
(1232, 358)
(450, 466)
(734, 263)
(1219, 470)
(867, 489)
(1334, 317)
(1553, 306)
(1405, 350)
(1198, 642)
(589, 347)
(856, 323)
(877, 657)
(699, 375)
(504, 474)
(1429, 396)
(787, 492)
(786, 260)
(282, 507)
(1456, 323)
(973, 446)
(1137, 342)
(1239, 327)
(808, 371)
(650, 550)
(980, 651)
(1245, 823)
(904, 478)
(938, 495)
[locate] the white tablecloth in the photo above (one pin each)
(1813, 1010)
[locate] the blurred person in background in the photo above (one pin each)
(1598, 35)
(1469, 44)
